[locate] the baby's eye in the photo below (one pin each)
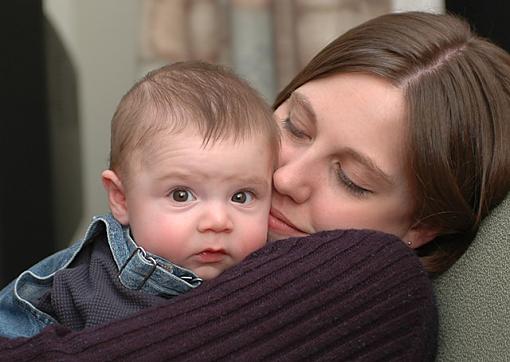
(242, 197)
(182, 195)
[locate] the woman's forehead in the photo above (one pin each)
(360, 86)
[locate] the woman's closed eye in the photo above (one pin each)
(345, 181)
(349, 185)
(293, 130)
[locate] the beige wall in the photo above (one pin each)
(435, 6)
(102, 39)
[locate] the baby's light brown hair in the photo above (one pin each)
(207, 97)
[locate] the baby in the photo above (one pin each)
(193, 149)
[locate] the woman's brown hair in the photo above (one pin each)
(457, 91)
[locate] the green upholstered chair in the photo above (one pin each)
(474, 296)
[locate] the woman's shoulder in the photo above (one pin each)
(373, 290)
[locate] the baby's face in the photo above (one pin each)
(204, 209)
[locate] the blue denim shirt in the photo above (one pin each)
(138, 269)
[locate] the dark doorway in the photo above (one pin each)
(40, 183)
(26, 228)
(488, 18)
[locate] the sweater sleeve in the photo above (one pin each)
(337, 295)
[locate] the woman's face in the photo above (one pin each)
(342, 161)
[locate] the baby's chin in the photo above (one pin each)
(208, 272)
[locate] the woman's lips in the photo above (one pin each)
(211, 255)
(280, 225)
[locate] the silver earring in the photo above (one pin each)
(409, 243)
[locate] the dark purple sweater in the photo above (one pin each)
(342, 295)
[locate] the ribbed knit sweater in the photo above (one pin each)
(341, 295)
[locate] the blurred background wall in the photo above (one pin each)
(70, 61)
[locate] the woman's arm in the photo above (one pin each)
(341, 295)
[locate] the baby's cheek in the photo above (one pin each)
(257, 241)
(252, 236)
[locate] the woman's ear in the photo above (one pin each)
(116, 196)
(420, 235)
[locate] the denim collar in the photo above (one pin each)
(139, 269)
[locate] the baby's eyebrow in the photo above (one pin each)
(299, 101)
(251, 180)
(169, 175)
(259, 181)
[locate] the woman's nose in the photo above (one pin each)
(293, 179)
(216, 218)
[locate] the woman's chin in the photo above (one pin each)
(272, 236)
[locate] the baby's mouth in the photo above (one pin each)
(211, 255)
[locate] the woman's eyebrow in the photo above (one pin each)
(366, 161)
(299, 101)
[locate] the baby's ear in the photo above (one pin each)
(116, 196)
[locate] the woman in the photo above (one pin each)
(397, 126)
(451, 119)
